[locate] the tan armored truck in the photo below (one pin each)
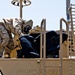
(62, 65)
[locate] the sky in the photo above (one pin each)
(51, 10)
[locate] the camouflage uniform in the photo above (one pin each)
(4, 37)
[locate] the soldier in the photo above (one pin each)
(4, 37)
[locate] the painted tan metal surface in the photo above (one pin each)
(35, 66)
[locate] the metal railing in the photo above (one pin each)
(61, 52)
(43, 39)
(43, 44)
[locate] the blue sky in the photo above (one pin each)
(51, 10)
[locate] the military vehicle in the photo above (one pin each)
(62, 65)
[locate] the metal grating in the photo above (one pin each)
(72, 30)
